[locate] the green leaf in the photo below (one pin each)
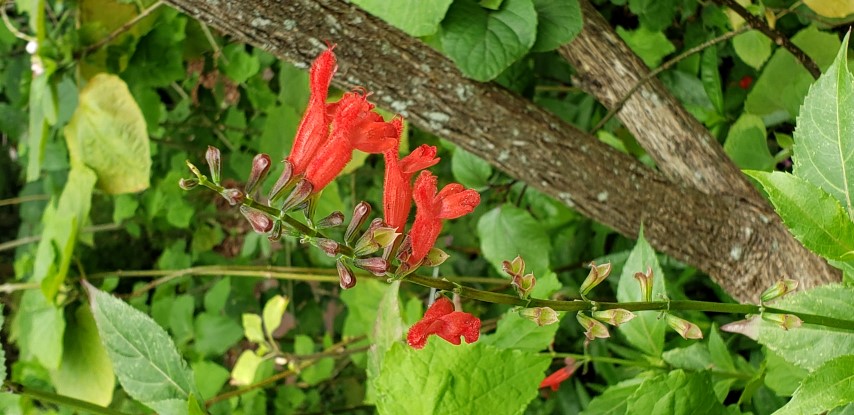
(646, 331)
(812, 215)
(469, 170)
(243, 372)
(558, 22)
(799, 346)
(144, 358)
(124, 207)
(86, 372)
(209, 377)
(42, 105)
(746, 144)
(694, 357)
(483, 43)
(108, 134)
(415, 17)
(215, 334)
(824, 138)
(829, 386)
(388, 330)
(781, 376)
(675, 393)
(718, 351)
(237, 64)
(216, 297)
(516, 332)
(181, 318)
(252, 328)
(651, 46)
(320, 370)
(613, 401)
(40, 326)
(712, 78)
(780, 89)
(508, 231)
(657, 15)
(752, 47)
(464, 379)
(274, 309)
(2, 351)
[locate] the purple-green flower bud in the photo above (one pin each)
(515, 267)
(332, 220)
(213, 158)
(434, 258)
(685, 328)
(233, 196)
(328, 245)
(346, 278)
(278, 189)
(368, 242)
(260, 168)
(779, 289)
(593, 329)
(374, 265)
(188, 184)
(360, 216)
(523, 284)
(597, 274)
(261, 223)
(786, 321)
(543, 316)
(645, 281)
(614, 316)
(276, 233)
(298, 195)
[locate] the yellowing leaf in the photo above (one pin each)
(831, 8)
(108, 134)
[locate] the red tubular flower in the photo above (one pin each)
(397, 189)
(442, 320)
(451, 202)
(314, 127)
(554, 380)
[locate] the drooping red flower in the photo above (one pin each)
(397, 187)
(554, 380)
(314, 126)
(442, 320)
(451, 202)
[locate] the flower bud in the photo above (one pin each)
(614, 317)
(434, 258)
(779, 289)
(374, 238)
(261, 223)
(374, 265)
(213, 158)
(278, 189)
(645, 281)
(593, 328)
(346, 278)
(786, 321)
(233, 196)
(332, 220)
(523, 284)
(276, 232)
(597, 274)
(193, 169)
(360, 215)
(298, 195)
(260, 169)
(188, 184)
(685, 328)
(327, 245)
(515, 267)
(543, 316)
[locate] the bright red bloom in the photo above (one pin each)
(314, 126)
(397, 189)
(442, 320)
(451, 202)
(554, 380)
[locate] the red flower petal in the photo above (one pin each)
(314, 126)
(554, 380)
(442, 320)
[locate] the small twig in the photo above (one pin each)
(9, 288)
(23, 199)
(217, 53)
(35, 238)
(123, 28)
(6, 21)
(665, 66)
(775, 35)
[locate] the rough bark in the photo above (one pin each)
(741, 245)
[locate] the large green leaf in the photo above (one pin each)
(829, 386)
(361, 302)
(558, 22)
(388, 330)
(646, 331)
(649, 45)
(482, 42)
(675, 393)
(613, 401)
(753, 47)
(809, 346)
(470, 170)
(43, 109)
(654, 14)
(812, 215)
(508, 231)
(747, 145)
(108, 134)
(40, 326)
(85, 372)
(145, 359)
(824, 137)
(780, 89)
(465, 379)
(415, 17)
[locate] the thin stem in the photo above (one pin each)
(774, 34)
(61, 400)
(121, 29)
(23, 199)
(9, 26)
(10, 287)
(605, 359)
(35, 238)
(665, 66)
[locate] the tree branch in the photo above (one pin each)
(743, 246)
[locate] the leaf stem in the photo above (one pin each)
(61, 400)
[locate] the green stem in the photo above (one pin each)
(605, 359)
(67, 401)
